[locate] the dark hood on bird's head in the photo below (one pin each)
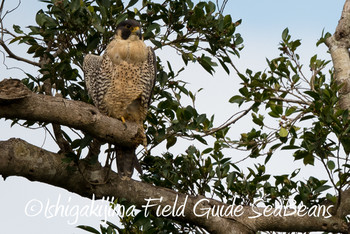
(129, 26)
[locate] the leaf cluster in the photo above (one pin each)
(302, 116)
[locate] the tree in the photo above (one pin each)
(312, 114)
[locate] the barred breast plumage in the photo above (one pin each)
(120, 82)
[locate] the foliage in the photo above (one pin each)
(68, 30)
(310, 123)
(289, 111)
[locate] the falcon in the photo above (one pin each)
(120, 84)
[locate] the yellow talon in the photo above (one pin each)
(124, 123)
(123, 120)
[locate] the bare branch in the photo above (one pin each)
(12, 55)
(290, 100)
(61, 142)
(228, 123)
(9, 11)
(3, 16)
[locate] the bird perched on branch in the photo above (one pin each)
(120, 83)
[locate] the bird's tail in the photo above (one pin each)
(127, 161)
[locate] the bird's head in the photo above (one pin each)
(129, 29)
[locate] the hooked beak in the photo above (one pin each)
(136, 30)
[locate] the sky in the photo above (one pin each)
(27, 207)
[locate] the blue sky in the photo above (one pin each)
(262, 25)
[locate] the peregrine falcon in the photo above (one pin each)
(120, 83)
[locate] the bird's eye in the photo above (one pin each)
(128, 26)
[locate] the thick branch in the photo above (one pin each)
(22, 159)
(342, 31)
(344, 206)
(17, 157)
(57, 110)
(338, 45)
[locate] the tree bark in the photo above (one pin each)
(338, 45)
(19, 158)
(16, 101)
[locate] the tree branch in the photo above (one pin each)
(12, 55)
(301, 102)
(16, 101)
(228, 122)
(19, 158)
(338, 45)
(344, 206)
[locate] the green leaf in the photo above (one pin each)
(283, 132)
(104, 3)
(97, 25)
(313, 94)
(285, 34)
(322, 188)
(171, 141)
(230, 179)
(290, 110)
(258, 121)
(237, 99)
(300, 154)
(44, 20)
(207, 64)
(131, 3)
(295, 172)
(156, 43)
(207, 150)
(332, 198)
(91, 9)
(268, 157)
(121, 18)
(227, 70)
(277, 109)
(17, 29)
(75, 5)
(239, 40)
(309, 159)
(331, 165)
(152, 27)
(88, 228)
(210, 7)
(76, 143)
(307, 117)
(290, 147)
(345, 141)
(201, 139)
(85, 141)
(201, 118)
(274, 114)
(39, 18)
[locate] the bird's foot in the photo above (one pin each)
(144, 143)
(124, 177)
(124, 123)
(146, 150)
